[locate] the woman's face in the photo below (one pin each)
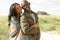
(18, 9)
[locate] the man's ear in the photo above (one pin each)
(29, 3)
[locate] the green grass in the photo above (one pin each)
(49, 23)
(4, 28)
(46, 22)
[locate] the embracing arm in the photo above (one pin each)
(25, 25)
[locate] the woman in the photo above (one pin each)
(14, 20)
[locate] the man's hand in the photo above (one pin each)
(35, 26)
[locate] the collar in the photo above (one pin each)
(22, 12)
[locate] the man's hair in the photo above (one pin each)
(24, 2)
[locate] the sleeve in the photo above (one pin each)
(15, 27)
(25, 25)
(37, 18)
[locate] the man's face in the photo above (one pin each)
(27, 7)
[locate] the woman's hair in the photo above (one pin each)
(12, 12)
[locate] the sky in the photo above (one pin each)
(50, 6)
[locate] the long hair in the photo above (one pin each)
(12, 12)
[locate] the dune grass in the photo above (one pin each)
(4, 28)
(49, 23)
(46, 22)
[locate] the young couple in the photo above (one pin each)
(23, 26)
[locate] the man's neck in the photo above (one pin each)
(29, 12)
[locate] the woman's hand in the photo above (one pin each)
(35, 25)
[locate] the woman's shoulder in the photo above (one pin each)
(14, 20)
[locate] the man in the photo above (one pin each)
(29, 23)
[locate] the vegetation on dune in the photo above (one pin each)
(46, 22)
(4, 28)
(49, 23)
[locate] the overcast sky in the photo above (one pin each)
(50, 6)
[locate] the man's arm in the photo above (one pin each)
(25, 25)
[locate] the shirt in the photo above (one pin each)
(32, 15)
